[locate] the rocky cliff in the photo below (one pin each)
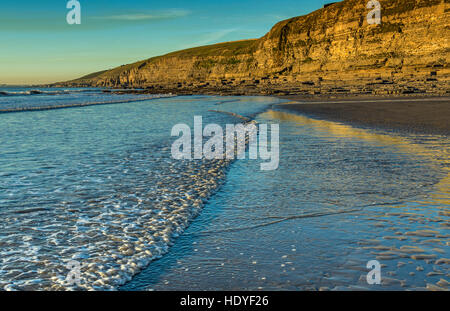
(333, 50)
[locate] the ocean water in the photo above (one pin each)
(97, 184)
(14, 99)
(341, 197)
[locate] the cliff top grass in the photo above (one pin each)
(227, 49)
(233, 48)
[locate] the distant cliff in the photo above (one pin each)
(324, 50)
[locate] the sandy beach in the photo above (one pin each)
(411, 114)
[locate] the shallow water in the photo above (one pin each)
(97, 184)
(341, 197)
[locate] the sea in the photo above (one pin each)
(92, 199)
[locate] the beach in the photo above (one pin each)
(135, 218)
(342, 196)
(429, 115)
(205, 148)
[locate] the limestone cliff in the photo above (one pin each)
(326, 49)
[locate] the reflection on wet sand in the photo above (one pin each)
(413, 238)
(435, 148)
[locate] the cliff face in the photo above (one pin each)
(332, 46)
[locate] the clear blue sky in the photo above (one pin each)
(38, 46)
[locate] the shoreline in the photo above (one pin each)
(243, 249)
(422, 113)
(412, 114)
(419, 113)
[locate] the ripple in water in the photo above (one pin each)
(98, 185)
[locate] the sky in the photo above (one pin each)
(37, 45)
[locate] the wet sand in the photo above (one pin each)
(294, 229)
(410, 114)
